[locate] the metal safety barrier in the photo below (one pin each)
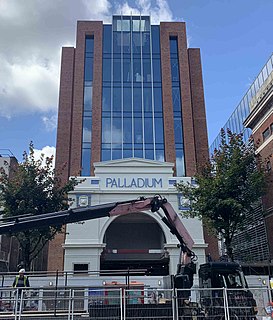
(136, 304)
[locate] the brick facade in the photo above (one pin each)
(167, 30)
(69, 136)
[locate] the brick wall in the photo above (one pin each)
(178, 30)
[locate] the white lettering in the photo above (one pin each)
(133, 183)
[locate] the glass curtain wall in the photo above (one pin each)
(132, 117)
(177, 110)
(87, 107)
(235, 122)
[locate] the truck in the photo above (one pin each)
(212, 275)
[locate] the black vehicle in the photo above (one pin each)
(238, 299)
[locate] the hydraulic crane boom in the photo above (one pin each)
(154, 204)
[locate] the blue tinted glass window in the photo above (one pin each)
(148, 130)
(106, 99)
(138, 153)
(159, 136)
(159, 153)
(88, 98)
(136, 42)
(178, 131)
(106, 130)
(180, 163)
(117, 154)
(117, 42)
(127, 101)
(137, 70)
(173, 45)
(106, 67)
(147, 99)
(177, 112)
(158, 99)
(176, 99)
(86, 134)
(137, 100)
(89, 44)
(86, 158)
(138, 139)
(117, 133)
(128, 153)
(174, 69)
(88, 72)
(127, 72)
(106, 154)
(117, 70)
(145, 42)
(155, 39)
(127, 130)
(126, 41)
(147, 70)
(116, 99)
(107, 38)
(157, 70)
(149, 154)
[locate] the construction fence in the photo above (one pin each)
(135, 303)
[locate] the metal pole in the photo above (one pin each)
(65, 280)
(121, 305)
(226, 310)
(72, 300)
(69, 304)
(56, 294)
(124, 302)
(175, 304)
(2, 284)
(16, 304)
(21, 303)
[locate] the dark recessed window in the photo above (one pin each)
(81, 268)
(268, 166)
(271, 128)
(266, 134)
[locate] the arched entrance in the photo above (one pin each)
(135, 241)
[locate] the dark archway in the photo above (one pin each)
(135, 241)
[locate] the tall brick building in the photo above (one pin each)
(129, 90)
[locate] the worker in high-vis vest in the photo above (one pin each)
(21, 281)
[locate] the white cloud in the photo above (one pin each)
(158, 9)
(47, 152)
(32, 33)
(50, 122)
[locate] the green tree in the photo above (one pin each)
(33, 188)
(227, 188)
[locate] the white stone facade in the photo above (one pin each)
(120, 180)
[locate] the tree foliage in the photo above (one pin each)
(33, 188)
(228, 186)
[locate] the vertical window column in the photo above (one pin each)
(87, 107)
(177, 108)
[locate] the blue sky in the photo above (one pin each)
(235, 38)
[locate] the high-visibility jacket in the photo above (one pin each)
(16, 280)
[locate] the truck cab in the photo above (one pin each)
(233, 290)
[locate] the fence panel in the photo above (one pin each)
(148, 304)
(105, 304)
(137, 303)
(200, 303)
(263, 300)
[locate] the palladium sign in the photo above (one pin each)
(133, 183)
